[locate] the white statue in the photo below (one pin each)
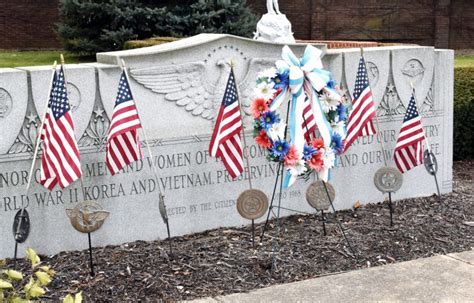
(272, 7)
(274, 26)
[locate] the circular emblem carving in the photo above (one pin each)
(74, 96)
(252, 204)
(414, 70)
(87, 216)
(5, 103)
(21, 226)
(317, 197)
(373, 72)
(431, 164)
(388, 179)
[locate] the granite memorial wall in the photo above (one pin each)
(178, 88)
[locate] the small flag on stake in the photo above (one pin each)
(123, 146)
(225, 142)
(363, 108)
(409, 147)
(60, 162)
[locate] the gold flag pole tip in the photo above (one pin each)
(61, 56)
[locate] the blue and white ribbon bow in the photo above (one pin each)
(307, 77)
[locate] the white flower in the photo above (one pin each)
(298, 168)
(268, 73)
(338, 127)
(277, 131)
(265, 91)
(328, 158)
(327, 103)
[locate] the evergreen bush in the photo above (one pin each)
(463, 140)
(103, 25)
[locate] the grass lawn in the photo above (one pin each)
(30, 58)
(464, 61)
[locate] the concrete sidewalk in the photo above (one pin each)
(448, 278)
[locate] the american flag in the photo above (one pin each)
(60, 160)
(409, 147)
(309, 122)
(363, 108)
(123, 146)
(225, 142)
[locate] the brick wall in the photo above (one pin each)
(443, 23)
(28, 24)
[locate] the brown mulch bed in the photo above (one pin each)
(223, 261)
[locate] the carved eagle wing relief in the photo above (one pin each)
(194, 87)
(182, 84)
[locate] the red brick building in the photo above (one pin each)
(26, 24)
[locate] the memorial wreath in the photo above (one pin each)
(315, 101)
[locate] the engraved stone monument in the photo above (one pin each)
(178, 88)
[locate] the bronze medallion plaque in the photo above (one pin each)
(21, 226)
(317, 197)
(252, 204)
(431, 164)
(87, 216)
(388, 179)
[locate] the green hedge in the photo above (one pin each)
(463, 113)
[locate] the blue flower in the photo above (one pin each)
(268, 119)
(282, 79)
(336, 143)
(280, 148)
(331, 83)
(342, 112)
(308, 152)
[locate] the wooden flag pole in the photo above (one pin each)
(245, 145)
(65, 84)
(33, 162)
(379, 135)
(38, 140)
(91, 260)
(427, 142)
(155, 171)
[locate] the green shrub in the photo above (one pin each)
(211, 16)
(103, 25)
(463, 113)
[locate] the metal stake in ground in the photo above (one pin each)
(87, 217)
(155, 171)
(338, 223)
(313, 194)
(388, 180)
(90, 255)
(251, 203)
(280, 170)
(384, 174)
